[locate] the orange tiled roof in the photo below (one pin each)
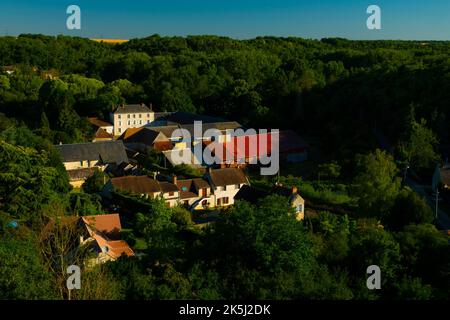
(102, 134)
(129, 132)
(109, 224)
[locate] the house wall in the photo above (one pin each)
(76, 183)
(227, 191)
(109, 129)
(123, 121)
(83, 164)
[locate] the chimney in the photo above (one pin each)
(294, 190)
(154, 175)
(150, 106)
(174, 179)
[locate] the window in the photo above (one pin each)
(171, 194)
(128, 116)
(140, 115)
(128, 122)
(204, 203)
(299, 208)
(134, 116)
(148, 121)
(148, 115)
(119, 130)
(140, 121)
(134, 121)
(120, 123)
(236, 186)
(118, 116)
(225, 200)
(81, 163)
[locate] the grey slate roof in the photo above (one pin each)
(105, 151)
(132, 108)
(227, 176)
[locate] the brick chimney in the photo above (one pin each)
(174, 179)
(294, 190)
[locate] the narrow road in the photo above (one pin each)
(442, 219)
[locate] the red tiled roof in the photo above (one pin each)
(256, 146)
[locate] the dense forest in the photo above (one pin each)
(369, 109)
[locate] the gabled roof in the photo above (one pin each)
(103, 134)
(129, 132)
(188, 187)
(166, 130)
(200, 183)
(113, 248)
(136, 184)
(144, 135)
(132, 108)
(167, 187)
(99, 123)
(105, 151)
(107, 224)
(227, 176)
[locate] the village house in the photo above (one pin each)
(144, 139)
(8, 69)
(99, 234)
(248, 148)
(253, 195)
(216, 189)
(104, 237)
(133, 116)
(225, 184)
(104, 131)
(146, 187)
(195, 193)
(82, 159)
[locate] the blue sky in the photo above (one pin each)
(242, 19)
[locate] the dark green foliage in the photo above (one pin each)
(409, 208)
(23, 274)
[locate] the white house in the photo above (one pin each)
(131, 116)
